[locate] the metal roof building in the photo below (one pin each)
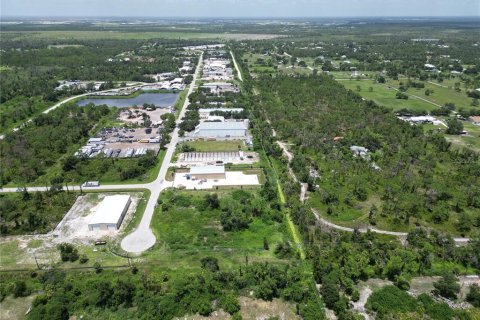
(221, 129)
(208, 172)
(110, 213)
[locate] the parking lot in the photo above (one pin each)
(121, 143)
(211, 158)
(232, 178)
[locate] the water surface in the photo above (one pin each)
(158, 99)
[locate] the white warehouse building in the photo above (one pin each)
(110, 213)
(237, 129)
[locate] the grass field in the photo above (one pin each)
(185, 234)
(472, 140)
(119, 35)
(441, 95)
(384, 96)
(213, 146)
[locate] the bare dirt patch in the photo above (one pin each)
(23, 250)
(134, 115)
(15, 308)
(254, 309)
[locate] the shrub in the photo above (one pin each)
(391, 299)
(447, 286)
(68, 252)
(473, 295)
(230, 304)
(20, 289)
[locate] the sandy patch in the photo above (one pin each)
(233, 178)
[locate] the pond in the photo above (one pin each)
(158, 99)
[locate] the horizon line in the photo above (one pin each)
(237, 17)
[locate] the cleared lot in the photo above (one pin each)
(189, 158)
(232, 178)
(22, 250)
(213, 146)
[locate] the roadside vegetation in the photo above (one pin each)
(42, 153)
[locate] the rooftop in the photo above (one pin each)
(207, 169)
(110, 210)
(208, 110)
(237, 125)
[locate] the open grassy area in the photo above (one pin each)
(471, 140)
(186, 232)
(213, 146)
(442, 94)
(119, 35)
(384, 96)
(15, 308)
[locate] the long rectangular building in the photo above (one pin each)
(110, 213)
(221, 129)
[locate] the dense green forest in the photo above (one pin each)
(155, 295)
(31, 70)
(42, 151)
(24, 213)
(407, 177)
(310, 112)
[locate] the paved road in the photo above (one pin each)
(142, 237)
(236, 66)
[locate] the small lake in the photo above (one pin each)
(158, 99)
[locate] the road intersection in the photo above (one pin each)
(142, 237)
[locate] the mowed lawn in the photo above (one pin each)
(382, 95)
(214, 146)
(471, 140)
(185, 234)
(442, 93)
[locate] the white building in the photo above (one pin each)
(221, 130)
(110, 213)
(207, 172)
(221, 87)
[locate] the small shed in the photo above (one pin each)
(110, 213)
(208, 172)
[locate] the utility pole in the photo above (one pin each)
(36, 261)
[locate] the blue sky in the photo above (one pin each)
(240, 8)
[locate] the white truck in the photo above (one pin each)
(91, 184)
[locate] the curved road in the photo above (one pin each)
(58, 104)
(319, 219)
(142, 238)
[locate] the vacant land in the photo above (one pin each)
(22, 250)
(186, 230)
(385, 96)
(216, 146)
(15, 308)
(471, 140)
